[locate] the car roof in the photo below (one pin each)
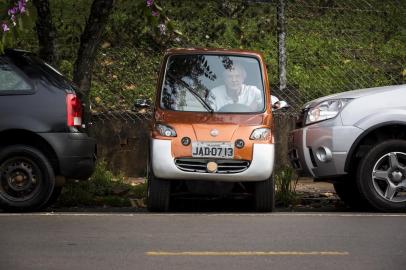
(12, 52)
(213, 51)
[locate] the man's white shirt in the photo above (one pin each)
(250, 95)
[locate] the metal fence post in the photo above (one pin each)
(281, 30)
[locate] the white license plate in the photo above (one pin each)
(212, 149)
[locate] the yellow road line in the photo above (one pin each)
(248, 253)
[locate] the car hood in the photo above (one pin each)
(199, 125)
(353, 94)
(222, 132)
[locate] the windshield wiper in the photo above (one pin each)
(199, 98)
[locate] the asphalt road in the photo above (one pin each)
(202, 241)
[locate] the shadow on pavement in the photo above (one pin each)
(314, 197)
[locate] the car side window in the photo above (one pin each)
(11, 80)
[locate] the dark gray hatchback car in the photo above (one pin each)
(42, 140)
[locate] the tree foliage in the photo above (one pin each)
(332, 46)
(11, 20)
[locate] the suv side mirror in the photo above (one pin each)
(142, 103)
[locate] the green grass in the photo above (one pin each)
(285, 186)
(102, 189)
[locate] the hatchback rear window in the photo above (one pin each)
(34, 68)
(11, 80)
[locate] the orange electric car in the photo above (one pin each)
(212, 128)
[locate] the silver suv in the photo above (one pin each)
(357, 141)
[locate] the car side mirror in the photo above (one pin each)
(142, 103)
(279, 105)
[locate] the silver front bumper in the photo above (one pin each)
(304, 143)
(164, 167)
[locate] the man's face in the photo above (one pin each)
(233, 80)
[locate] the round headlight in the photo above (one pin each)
(168, 133)
(185, 141)
(239, 143)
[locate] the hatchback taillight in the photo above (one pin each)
(74, 110)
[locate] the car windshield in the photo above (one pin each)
(213, 83)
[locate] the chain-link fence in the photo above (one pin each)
(336, 46)
(331, 46)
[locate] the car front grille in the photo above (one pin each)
(200, 165)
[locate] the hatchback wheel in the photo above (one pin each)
(265, 195)
(54, 196)
(26, 178)
(382, 176)
(159, 192)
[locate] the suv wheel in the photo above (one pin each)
(382, 176)
(349, 193)
(265, 195)
(26, 178)
(159, 192)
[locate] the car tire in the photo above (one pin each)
(265, 195)
(158, 195)
(350, 194)
(381, 176)
(54, 196)
(27, 179)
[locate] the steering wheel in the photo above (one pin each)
(235, 107)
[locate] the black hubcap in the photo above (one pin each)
(19, 178)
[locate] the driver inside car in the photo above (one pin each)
(234, 94)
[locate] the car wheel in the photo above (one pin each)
(265, 195)
(54, 196)
(382, 176)
(158, 195)
(27, 179)
(349, 193)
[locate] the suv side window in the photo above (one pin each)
(10, 80)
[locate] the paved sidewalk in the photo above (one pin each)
(317, 196)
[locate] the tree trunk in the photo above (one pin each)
(281, 28)
(46, 31)
(89, 43)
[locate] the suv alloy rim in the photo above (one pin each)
(389, 177)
